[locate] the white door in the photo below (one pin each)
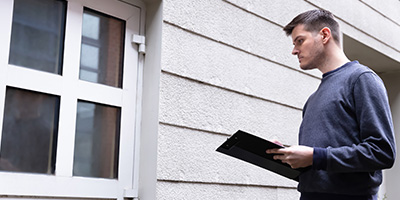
(69, 80)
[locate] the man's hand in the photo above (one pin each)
(295, 156)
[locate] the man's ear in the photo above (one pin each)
(326, 34)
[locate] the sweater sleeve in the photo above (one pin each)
(376, 149)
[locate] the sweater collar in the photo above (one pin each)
(339, 68)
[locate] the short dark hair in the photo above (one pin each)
(314, 21)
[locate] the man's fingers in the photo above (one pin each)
(271, 150)
(279, 157)
(276, 142)
(280, 151)
(284, 159)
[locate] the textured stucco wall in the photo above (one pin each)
(226, 65)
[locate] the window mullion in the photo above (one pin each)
(33, 80)
(2, 101)
(95, 92)
(68, 104)
(5, 35)
(66, 135)
(73, 37)
(6, 8)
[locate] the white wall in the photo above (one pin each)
(226, 65)
(223, 69)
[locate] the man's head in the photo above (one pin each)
(316, 36)
(314, 21)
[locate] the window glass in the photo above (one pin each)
(37, 36)
(97, 140)
(102, 49)
(29, 134)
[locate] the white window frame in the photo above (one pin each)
(70, 89)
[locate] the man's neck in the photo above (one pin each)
(333, 61)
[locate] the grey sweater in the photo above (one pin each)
(349, 124)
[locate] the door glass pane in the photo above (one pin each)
(29, 135)
(37, 36)
(102, 48)
(96, 140)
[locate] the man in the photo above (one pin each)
(347, 133)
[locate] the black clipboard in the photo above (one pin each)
(250, 148)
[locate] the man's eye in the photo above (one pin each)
(300, 41)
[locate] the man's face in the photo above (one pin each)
(308, 47)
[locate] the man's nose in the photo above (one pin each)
(295, 51)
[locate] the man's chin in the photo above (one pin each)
(306, 67)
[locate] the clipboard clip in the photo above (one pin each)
(230, 142)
